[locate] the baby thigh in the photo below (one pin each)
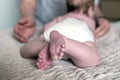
(83, 54)
(32, 48)
(89, 56)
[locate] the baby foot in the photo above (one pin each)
(44, 59)
(57, 45)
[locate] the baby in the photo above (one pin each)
(71, 34)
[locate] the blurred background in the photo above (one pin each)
(111, 9)
(9, 11)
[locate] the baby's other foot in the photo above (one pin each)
(44, 59)
(57, 45)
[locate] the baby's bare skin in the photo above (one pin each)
(44, 59)
(82, 54)
(59, 45)
(52, 51)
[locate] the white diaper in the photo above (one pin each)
(73, 29)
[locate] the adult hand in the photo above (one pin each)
(103, 27)
(24, 29)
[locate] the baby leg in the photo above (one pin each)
(44, 58)
(32, 48)
(82, 54)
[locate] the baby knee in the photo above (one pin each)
(95, 62)
(28, 52)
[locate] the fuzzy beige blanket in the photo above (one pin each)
(14, 67)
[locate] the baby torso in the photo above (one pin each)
(71, 28)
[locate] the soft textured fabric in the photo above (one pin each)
(71, 28)
(14, 67)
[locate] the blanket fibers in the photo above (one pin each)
(14, 67)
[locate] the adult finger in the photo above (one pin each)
(22, 21)
(18, 37)
(19, 30)
(30, 23)
(99, 29)
(25, 38)
(101, 33)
